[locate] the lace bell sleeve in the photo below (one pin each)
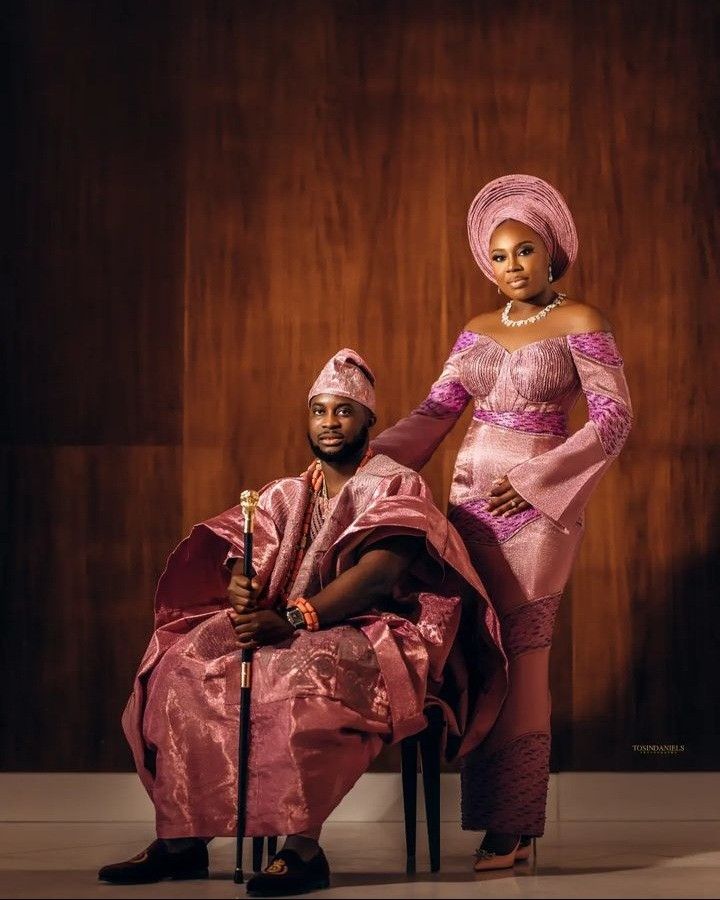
(558, 483)
(413, 440)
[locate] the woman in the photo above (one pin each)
(520, 483)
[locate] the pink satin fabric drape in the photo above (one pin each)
(324, 702)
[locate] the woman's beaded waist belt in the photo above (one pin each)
(530, 421)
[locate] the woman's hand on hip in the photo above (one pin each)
(504, 500)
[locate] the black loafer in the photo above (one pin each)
(288, 874)
(156, 863)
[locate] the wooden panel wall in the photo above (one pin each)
(216, 196)
(93, 344)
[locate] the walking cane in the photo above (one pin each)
(248, 502)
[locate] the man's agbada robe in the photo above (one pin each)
(323, 703)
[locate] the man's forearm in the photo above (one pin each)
(371, 579)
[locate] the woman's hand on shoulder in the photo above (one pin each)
(583, 317)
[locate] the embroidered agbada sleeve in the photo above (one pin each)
(413, 440)
(196, 576)
(558, 483)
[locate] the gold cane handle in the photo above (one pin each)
(249, 501)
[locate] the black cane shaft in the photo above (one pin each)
(244, 744)
(246, 657)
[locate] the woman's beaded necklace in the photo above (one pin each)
(509, 323)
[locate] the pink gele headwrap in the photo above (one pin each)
(533, 202)
(346, 375)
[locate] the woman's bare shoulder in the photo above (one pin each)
(583, 317)
(482, 322)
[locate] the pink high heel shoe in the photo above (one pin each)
(487, 860)
(526, 846)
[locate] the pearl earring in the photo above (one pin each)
(499, 291)
(549, 273)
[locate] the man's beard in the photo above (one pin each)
(349, 452)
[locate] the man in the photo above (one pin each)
(353, 610)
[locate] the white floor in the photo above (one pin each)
(575, 859)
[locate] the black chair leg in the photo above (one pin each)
(257, 853)
(408, 766)
(272, 847)
(430, 742)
